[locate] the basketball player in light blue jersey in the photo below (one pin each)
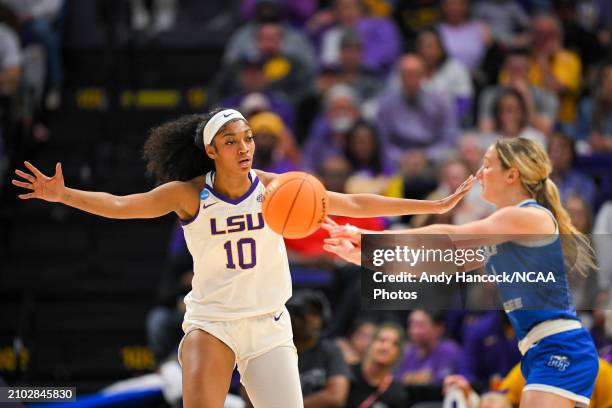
(559, 360)
(235, 312)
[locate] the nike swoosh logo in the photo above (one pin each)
(204, 206)
(225, 115)
(277, 318)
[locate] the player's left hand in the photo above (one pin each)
(448, 203)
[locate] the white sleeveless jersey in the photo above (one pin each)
(240, 265)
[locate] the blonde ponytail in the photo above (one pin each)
(534, 168)
(579, 254)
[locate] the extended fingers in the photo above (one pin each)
(333, 244)
(334, 230)
(330, 221)
(332, 241)
(33, 169)
(466, 185)
(25, 175)
(334, 249)
(22, 184)
(328, 227)
(340, 243)
(26, 196)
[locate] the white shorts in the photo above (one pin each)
(247, 338)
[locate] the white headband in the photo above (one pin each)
(217, 122)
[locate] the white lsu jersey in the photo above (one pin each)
(240, 265)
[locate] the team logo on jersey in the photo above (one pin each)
(260, 198)
(204, 194)
(559, 362)
(489, 251)
(236, 223)
(513, 304)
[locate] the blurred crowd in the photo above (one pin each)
(31, 70)
(402, 98)
(393, 97)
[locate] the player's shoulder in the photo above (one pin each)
(187, 187)
(523, 220)
(515, 212)
(197, 183)
(509, 213)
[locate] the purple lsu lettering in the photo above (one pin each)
(237, 223)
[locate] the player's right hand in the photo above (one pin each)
(346, 231)
(448, 203)
(41, 186)
(344, 241)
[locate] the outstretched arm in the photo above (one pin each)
(501, 226)
(174, 196)
(373, 205)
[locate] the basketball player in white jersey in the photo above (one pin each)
(235, 311)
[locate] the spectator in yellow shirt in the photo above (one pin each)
(554, 68)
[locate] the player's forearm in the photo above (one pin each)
(97, 203)
(429, 229)
(373, 205)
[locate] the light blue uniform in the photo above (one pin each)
(564, 363)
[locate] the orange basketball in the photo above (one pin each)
(295, 204)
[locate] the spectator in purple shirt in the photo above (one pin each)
(489, 349)
(327, 134)
(416, 118)
(465, 39)
(562, 152)
(381, 40)
(294, 42)
(428, 358)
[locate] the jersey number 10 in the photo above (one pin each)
(242, 247)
